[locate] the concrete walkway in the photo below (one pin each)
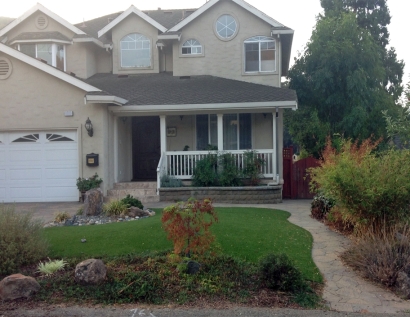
(344, 290)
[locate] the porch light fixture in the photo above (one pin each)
(89, 127)
(181, 117)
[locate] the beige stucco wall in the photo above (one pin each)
(104, 60)
(222, 58)
(82, 59)
(185, 133)
(34, 100)
(29, 25)
(134, 24)
(262, 132)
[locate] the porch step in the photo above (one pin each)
(146, 192)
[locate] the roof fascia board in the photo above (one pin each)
(169, 37)
(282, 31)
(90, 99)
(47, 68)
(258, 13)
(40, 41)
(193, 16)
(89, 39)
(125, 14)
(198, 108)
(39, 7)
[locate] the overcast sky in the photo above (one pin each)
(299, 15)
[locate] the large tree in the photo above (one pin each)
(340, 84)
(374, 16)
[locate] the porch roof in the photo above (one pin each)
(165, 89)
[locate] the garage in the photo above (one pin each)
(38, 166)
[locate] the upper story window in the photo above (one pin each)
(53, 54)
(260, 54)
(226, 27)
(135, 51)
(191, 47)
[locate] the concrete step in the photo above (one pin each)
(136, 185)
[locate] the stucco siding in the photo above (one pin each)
(104, 61)
(134, 24)
(185, 133)
(29, 25)
(262, 132)
(222, 58)
(34, 100)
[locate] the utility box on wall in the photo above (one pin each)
(92, 159)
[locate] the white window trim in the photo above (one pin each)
(202, 54)
(226, 39)
(150, 54)
(260, 64)
(238, 140)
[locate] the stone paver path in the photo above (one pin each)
(344, 289)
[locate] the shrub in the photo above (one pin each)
(252, 169)
(381, 256)
(279, 273)
(169, 181)
(21, 240)
(187, 225)
(229, 174)
(321, 206)
(370, 190)
(61, 216)
(84, 184)
(130, 201)
(115, 208)
(50, 267)
(205, 171)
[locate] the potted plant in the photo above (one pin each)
(85, 184)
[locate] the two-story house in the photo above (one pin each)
(136, 88)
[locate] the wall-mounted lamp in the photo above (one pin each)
(89, 127)
(181, 117)
(124, 119)
(264, 115)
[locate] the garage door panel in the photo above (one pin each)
(2, 174)
(60, 193)
(60, 155)
(61, 174)
(25, 174)
(25, 193)
(2, 155)
(18, 156)
(2, 194)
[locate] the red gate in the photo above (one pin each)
(296, 179)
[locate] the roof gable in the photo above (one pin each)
(241, 3)
(47, 68)
(125, 14)
(39, 7)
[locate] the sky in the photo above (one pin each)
(300, 15)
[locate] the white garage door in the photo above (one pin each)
(38, 166)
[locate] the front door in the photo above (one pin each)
(146, 147)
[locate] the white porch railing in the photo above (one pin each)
(161, 170)
(181, 164)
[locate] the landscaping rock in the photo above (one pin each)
(136, 212)
(93, 202)
(193, 267)
(91, 271)
(18, 286)
(403, 284)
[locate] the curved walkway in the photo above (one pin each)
(344, 289)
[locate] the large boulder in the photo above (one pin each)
(91, 271)
(18, 286)
(403, 284)
(136, 212)
(93, 202)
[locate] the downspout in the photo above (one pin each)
(275, 150)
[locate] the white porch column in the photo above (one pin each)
(163, 133)
(275, 147)
(115, 119)
(220, 132)
(280, 145)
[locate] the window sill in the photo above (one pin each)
(191, 55)
(260, 73)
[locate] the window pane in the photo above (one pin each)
(60, 57)
(226, 26)
(268, 60)
(245, 131)
(230, 122)
(135, 51)
(201, 132)
(214, 129)
(28, 49)
(251, 57)
(44, 52)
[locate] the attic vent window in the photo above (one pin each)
(41, 22)
(5, 68)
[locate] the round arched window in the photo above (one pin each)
(226, 27)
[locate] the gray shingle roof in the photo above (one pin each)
(27, 36)
(165, 89)
(169, 17)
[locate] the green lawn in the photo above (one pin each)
(246, 233)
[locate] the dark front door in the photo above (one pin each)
(146, 147)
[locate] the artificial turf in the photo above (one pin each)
(246, 233)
